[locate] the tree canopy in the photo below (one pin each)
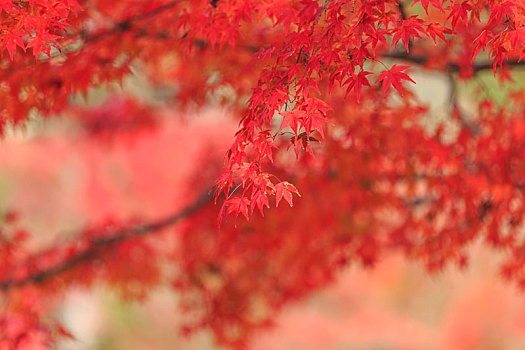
(335, 159)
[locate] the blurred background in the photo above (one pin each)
(62, 173)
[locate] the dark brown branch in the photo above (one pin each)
(402, 10)
(404, 16)
(112, 238)
(472, 126)
(451, 66)
(127, 24)
(121, 26)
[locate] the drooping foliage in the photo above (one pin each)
(331, 164)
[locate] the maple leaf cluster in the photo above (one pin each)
(35, 25)
(331, 79)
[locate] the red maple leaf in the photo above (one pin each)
(393, 77)
(285, 189)
(410, 27)
(436, 3)
(357, 82)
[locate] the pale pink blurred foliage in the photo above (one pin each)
(397, 305)
(58, 184)
(59, 181)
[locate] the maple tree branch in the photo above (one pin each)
(451, 66)
(471, 125)
(121, 26)
(402, 10)
(119, 235)
(404, 16)
(126, 24)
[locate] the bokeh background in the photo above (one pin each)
(62, 173)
